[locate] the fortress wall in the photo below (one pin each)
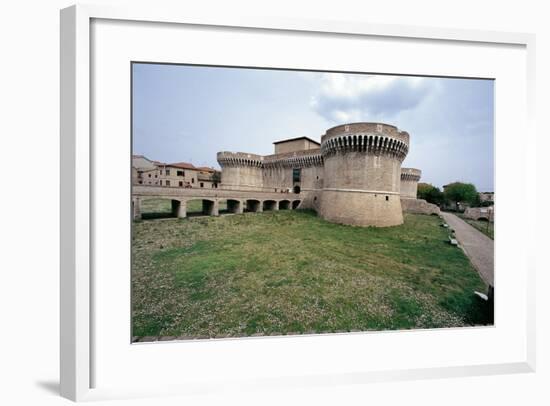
(409, 182)
(242, 178)
(409, 188)
(312, 178)
(361, 209)
(277, 177)
(362, 169)
(358, 170)
(354, 178)
(418, 206)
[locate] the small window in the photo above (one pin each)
(168, 173)
(296, 175)
(180, 173)
(149, 175)
(387, 198)
(202, 184)
(181, 183)
(167, 183)
(193, 180)
(140, 182)
(156, 176)
(161, 182)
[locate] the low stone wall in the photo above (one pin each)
(418, 206)
(476, 213)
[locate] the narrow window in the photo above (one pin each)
(181, 183)
(193, 180)
(202, 184)
(167, 172)
(296, 175)
(387, 198)
(167, 183)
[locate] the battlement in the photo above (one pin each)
(375, 138)
(226, 159)
(297, 159)
(411, 174)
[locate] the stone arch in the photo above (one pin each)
(157, 207)
(269, 205)
(253, 205)
(284, 204)
(234, 206)
(201, 207)
(296, 204)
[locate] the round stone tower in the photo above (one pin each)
(362, 174)
(241, 171)
(409, 182)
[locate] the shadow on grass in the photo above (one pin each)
(152, 216)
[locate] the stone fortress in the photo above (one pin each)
(353, 176)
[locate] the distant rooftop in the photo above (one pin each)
(182, 165)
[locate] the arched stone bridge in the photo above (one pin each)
(237, 200)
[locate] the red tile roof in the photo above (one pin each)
(205, 169)
(182, 165)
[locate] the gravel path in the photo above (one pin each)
(478, 247)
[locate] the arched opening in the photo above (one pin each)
(234, 206)
(295, 204)
(159, 208)
(269, 205)
(201, 207)
(296, 189)
(252, 206)
(284, 205)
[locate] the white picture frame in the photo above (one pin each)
(77, 216)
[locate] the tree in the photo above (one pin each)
(429, 193)
(461, 192)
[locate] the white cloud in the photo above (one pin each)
(353, 97)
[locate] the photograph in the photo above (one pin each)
(277, 202)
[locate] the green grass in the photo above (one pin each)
(486, 227)
(292, 272)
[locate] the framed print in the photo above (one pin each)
(257, 203)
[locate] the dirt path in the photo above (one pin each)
(478, 247)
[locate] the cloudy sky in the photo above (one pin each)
(188, 113)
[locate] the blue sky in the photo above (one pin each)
(189, 113)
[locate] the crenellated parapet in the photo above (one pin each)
(411, 174)
(300, 159)
(369, 138)
(409, 182)
(237, 159)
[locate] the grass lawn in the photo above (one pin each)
(485, 227)
(292, 272)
